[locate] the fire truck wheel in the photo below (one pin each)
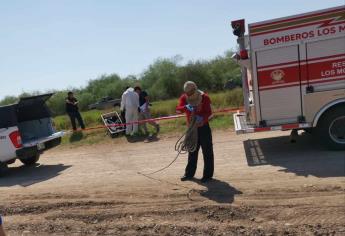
(331, 128)
(31, 160)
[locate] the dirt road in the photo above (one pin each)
(263, 185)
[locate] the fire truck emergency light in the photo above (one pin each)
(238, 27)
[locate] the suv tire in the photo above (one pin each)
(30, 160)
(3, 169)
(331, 128)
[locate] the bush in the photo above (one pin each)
(162, 108)
(231, 98)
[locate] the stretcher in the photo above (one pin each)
(112, 121)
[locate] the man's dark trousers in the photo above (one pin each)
(205, 141)
(76, 115)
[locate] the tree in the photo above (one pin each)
(8, 100)
(161, 79)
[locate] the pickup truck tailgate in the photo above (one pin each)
(39, 141)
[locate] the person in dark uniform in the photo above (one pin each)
(197, 103)
(73, 111)
(144, 110)
(2, 231)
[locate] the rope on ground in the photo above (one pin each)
(188, 142)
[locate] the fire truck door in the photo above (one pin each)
(325, 64)
(279, 85)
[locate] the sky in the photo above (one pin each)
(62, 44)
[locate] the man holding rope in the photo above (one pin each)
(197, 105)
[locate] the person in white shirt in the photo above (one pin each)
(130, 105)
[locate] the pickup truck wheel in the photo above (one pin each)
(331, 128)
(30, 160)
(3, 169)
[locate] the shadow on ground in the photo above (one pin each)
(219, 191)
(305, 157)
(142, 138)
(29, 175)
(76, 136)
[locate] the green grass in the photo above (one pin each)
(91, 118)
(161, 108)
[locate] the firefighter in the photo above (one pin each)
(197, 103)
(73, 111)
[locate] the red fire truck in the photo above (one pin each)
(293, 75)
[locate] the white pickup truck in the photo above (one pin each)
(26, 130)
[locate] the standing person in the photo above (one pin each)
(123, 111)
(2, 231)
(73, 111)
(130, 105)
(197, 103)
(145, 110)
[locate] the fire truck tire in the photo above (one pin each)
(308, 130)
(31, 160)
(331, 128)
(3, 169)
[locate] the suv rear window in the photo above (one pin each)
(33, 108)
(8, 117)
(33, 112)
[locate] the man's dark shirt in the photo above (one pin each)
(71, 107)
(142, 97)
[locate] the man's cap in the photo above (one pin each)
(189, 86)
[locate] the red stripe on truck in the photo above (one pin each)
(296, 18)
(278, 76)
(296, 27)
(262, 129)
(328, 80)
(290, 126)
(282, 127)
(318, 72)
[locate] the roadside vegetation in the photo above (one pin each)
(228, 99)
(163, 80)
(92, 118)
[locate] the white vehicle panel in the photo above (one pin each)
(328, 47)
(279, 85)
(277, 56)
(280, 106)
(7, 149)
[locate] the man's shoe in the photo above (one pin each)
(186, 178)
(205, 180)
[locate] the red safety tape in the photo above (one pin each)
(160, 119)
